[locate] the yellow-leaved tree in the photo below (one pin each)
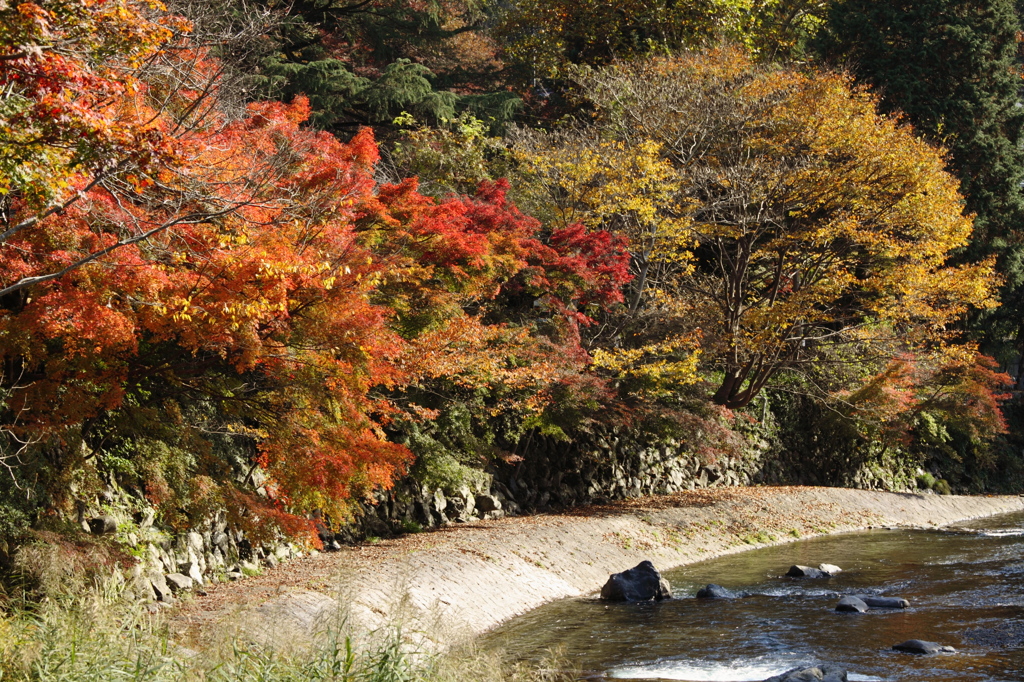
(569, 176)
(786, 218)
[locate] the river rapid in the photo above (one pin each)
(965, 585)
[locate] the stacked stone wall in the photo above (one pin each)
(607, 464)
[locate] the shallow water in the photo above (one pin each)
(964, 586)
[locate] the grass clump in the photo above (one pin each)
(759, 538)
(927, 481)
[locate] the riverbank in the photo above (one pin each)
(465, 579)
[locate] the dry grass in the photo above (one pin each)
(99, 635)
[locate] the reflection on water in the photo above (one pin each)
(963, 586)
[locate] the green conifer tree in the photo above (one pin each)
(365, 62)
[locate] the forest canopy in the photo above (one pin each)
(776, 208)
(252, 256)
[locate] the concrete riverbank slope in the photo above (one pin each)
(465, 579)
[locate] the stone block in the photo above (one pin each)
(103, 525)
(161, 590)
(178, 582)
(193, 570)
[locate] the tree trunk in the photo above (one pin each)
(732, 393)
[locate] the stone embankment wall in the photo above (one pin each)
(169, 564)
(553, 475)
(609, 464)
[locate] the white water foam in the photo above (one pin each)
(1005, 533)
(794, 591)
(987, 532)
(750, 670)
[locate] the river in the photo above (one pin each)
(965, 585)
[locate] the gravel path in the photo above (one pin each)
(465, 579)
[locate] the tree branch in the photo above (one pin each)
(57, 208)
(190, 219)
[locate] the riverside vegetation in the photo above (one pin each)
(98, 635)
(307, 272)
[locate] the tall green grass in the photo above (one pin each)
(101, 637)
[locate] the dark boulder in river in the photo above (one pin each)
(822, 673)
(640, 583)
(851, 605)
(797, 571)
(713, 591)
(883, 602)
(862, 602)
(917, 646)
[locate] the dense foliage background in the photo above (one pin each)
(271, 257)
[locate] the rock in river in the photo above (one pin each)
(883, 602)
(713, 591)
(797, 571)
(822, 673)
(851, 605)
(917, 646)
(640, 583)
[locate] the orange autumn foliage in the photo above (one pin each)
(246, 277)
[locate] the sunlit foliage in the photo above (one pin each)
(812, 220)
(249, 279)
